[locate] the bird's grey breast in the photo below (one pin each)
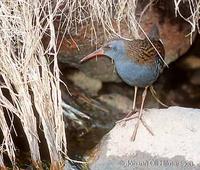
(136, 74)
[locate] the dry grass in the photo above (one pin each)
(103, 12)
(25, 65)
(26, 74)
(194, 18)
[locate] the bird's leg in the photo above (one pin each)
(133, 108)
(140, 114)
(134, 103)
(134, 98)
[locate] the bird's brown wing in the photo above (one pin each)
(142, 52)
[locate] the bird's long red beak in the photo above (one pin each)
(97, 53)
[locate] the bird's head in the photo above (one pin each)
(113, 49)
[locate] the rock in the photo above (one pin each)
(174, 146)
(124, 104)
(102, 69)
(191, 62)
(114, 99)
(195, 77)
(90, 85)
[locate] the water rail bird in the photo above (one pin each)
(138, 62)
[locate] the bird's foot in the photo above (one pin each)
(135, 115)
(136, 128)
(128, 116)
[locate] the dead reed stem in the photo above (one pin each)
(25, 72)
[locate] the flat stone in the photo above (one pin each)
(174, 146)
(88, 84)
(117, 101)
